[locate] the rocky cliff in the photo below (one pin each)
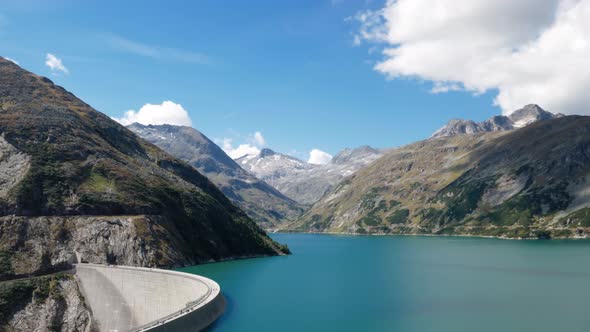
(51, 303)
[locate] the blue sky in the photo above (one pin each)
(288, 69)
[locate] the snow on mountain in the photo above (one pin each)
(271, 166)
(302, 181)
(261, 201)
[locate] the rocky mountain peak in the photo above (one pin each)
(457, 127)
(517, 119)
(529, 114)
(266, 152)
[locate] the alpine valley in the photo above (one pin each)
(390, 165)
(76, 185)
(517, 176)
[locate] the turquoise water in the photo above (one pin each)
(346, 283)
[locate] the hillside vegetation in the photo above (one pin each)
(73, 180)
(526, 183)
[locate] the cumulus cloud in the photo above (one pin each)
(54, 63)
(254, 143)
(239, 151)
(168, 112)
(530, 51)
(319, 157)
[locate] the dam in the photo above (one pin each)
(124, 298)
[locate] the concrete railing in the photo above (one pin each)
(124, 298)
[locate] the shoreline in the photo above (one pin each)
(433, 235)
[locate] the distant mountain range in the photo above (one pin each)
(518, 119)
(265, 204)
(526, 180)
(271, 187)
(436, 186)
(304, 182)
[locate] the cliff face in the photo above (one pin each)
(43, 244)
(527, 183)
(52, 303)
(73, 180)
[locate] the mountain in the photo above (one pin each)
(360, 155)
(528, 182)
(518, 119)
(306, 183)
(75, 183)
(263, 203)
(273, 167)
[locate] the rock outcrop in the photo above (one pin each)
(43, 244)
(518, 119)
(52, 303)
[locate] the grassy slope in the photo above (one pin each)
(443, 186)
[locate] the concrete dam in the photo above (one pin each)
(126, 298)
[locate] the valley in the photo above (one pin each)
(521, 176)
(303, 165)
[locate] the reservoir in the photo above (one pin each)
(371, 283)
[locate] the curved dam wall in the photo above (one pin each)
(126, 298)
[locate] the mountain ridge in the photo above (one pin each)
(265, 204)
(85, 179)
(520, 118)
(302, 181)
(523, 183)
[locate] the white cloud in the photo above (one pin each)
(132, 46)
(12, 60)
(239, 151)
(254, 143)
(319, 157)
(259, 139)
(167, 112)
(155, 52)
(531, 51)
(441, 87)
(54, 63)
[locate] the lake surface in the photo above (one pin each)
(364, 283)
